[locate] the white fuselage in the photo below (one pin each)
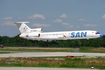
(37, 34)
(64, 35)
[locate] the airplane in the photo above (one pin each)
(37, 34)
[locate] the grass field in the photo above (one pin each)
(92, 49)
(40, 49)
(75, 62)
(33, 49)
(4, 52)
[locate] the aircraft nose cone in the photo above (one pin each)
(101, 35)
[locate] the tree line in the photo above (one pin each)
(19, 42)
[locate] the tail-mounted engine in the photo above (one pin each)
(33, 35)
(37, 30)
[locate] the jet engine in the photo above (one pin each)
(37, 30)
(33, 35)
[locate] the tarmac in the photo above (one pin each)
(41, 68)
(47, 54)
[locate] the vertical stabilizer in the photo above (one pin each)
(23, 28)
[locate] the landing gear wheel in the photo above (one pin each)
(88, 40)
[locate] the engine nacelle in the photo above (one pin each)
(37, 30)
(33, 35)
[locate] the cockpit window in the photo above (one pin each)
(97, 32)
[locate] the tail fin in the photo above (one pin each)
(23, 28)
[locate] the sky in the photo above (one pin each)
(52, 15)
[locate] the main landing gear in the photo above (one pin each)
(88, 40)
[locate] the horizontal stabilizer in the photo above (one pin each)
(21, 22)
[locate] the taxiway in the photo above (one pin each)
(41, 68)
(47, 54)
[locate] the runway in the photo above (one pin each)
(42, 68)
(47, 54)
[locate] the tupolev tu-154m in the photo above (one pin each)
(37, 34)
